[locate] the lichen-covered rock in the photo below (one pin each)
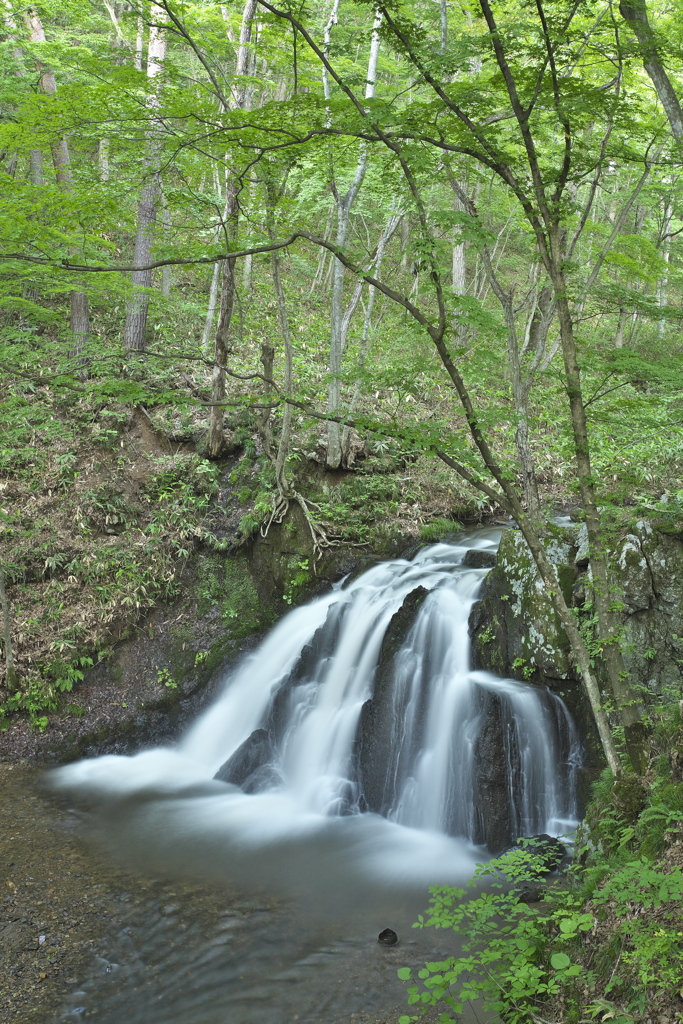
(515, 630)
(648, 574)
(514, 627)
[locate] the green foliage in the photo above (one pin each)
(164, 678)
(509, 959)
(298, 582)
(436, 530)
(606, 942)
(358, 504)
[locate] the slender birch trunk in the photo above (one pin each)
(79, 321)
(215, 438)
(211, 309)
(344, 206)
(139, 44)
(389, 230)
(35, 155)
(134, 335)
(663, 280)
(459, 262)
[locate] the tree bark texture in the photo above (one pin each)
(215, 439)
(627, 707)
(344, 206)
(635, 13)
(61, 159)
(134, 334)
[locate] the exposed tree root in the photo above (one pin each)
(319, 535)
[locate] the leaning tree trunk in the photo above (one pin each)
(135, 330)
(635, 733)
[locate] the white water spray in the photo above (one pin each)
(327, 721)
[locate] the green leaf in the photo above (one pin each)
(559, 961)
(404, 973)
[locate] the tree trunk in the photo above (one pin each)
(663, 281)
(215, 440)
(139, 43)
(11, 679)
(134, 335)
(80, 324)
(264, 419)
(286, 428)
(80, 313)
(459, 264)
(211, 309)
(344, 206)
(626, 699)
(390, 228)
(635, 13)
(103, 159)
(166, 272)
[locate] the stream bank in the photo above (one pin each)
(169, 666)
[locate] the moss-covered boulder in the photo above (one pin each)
(516, 631)
(514, 627)
(648, 580)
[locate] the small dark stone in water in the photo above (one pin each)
(475, 559)
(388, 937)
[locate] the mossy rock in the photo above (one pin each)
(514, 627)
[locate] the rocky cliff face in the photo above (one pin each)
(516, 632)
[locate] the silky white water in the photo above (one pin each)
(297, 717)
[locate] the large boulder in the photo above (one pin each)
(516, 632)
(514, 627)
(648, 579)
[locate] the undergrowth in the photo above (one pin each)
(606, 942)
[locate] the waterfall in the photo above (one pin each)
(358, 725)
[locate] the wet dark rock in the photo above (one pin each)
(531, 894)
(475, 559)
(380, 722)
(493, 825)
(249, 766)
(388, 937)
(549, 849)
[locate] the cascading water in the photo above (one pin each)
(309, 715)
(361, 701)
